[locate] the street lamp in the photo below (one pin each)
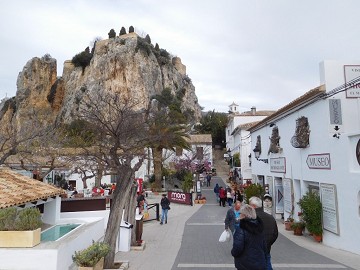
(257, 152)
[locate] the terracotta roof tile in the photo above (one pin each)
(311, 95)
(200, 138)
(17, 189)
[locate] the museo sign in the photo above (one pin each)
(319, 161)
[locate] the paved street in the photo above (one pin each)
(190, 241)
(200, 248)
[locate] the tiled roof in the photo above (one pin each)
(257, 113)
(200, 138)
(17, 189)
(310, 96)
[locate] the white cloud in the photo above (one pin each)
(257, 53)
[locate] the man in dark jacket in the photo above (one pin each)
(270, 227)
(249, 249)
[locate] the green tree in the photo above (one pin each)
(214, 123)
(131, 29)
(82, 59)
(157, 48)
(122, 31)
(112, 33)
(167, 129)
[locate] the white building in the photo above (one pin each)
(238, 137)
(315, 145)
(201, 150)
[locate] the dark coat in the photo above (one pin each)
(270, 228)
(165, 203)
(216, 188)
(249, 249)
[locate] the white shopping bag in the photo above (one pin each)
(225, 236)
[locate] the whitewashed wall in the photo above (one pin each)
(345, 170)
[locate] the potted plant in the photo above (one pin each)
(20, 228)
(288, 222)
(92, 257)
(311, 207)
(298, 227)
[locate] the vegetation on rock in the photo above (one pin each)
(112, 33)
(82, 59)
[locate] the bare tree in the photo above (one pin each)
(118, 129)
(19, 138)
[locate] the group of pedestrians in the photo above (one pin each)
(227, 195)
(254, 232)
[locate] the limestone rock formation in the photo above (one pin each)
(125, 64)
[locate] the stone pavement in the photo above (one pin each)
(190, 241)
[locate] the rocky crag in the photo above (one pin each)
(125, 64)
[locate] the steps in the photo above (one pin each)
(222, 168)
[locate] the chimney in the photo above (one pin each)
(253, 110)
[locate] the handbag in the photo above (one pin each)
(168, 208)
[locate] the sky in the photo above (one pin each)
(258, 53)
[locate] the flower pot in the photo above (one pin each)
(20, 238)
(317, 238)
(298, 231)
(98, 266)
(288, 225)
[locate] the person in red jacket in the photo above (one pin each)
(222, 196)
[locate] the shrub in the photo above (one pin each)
(253, 190)
(148, 39)
(28, 219)
(23, 220)
(131, 29)
(311, 208)
(91, 255)
(7, 219)
(143, 46)
(82, 59)
(122, 31)
(112, 33)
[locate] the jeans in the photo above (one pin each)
(217, 197)
(268, 262)
(164, 215)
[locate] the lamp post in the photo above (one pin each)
(257, 153)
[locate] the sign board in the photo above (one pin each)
(351, 72)
(329, 208)
(279, 197)
(319, 161)
(278, 165)
(288, 202)
(335, 112)
(180, 197)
